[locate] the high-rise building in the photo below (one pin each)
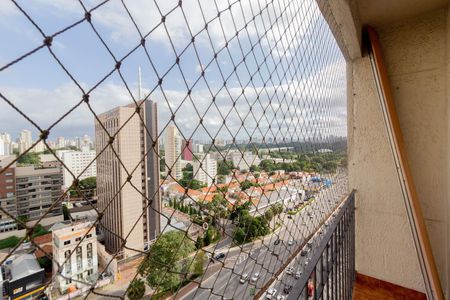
(79, 163)
(39, 147)
(60, 142)
(198, 148)
(186, 147)
(172, 152)
(131, 203)
(75, 249)
(205, 170)
(5, 144)
(25, 140)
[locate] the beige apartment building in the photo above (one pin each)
(172, 151)
(128, 177)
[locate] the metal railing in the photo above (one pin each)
(330, 272)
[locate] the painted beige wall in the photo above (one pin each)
(416, 53)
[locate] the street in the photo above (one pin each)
(265, 257)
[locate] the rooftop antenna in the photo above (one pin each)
(139, 84)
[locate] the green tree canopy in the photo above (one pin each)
(164, 261)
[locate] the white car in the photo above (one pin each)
(270, 293)
(255, 277)
(281, 297)
(298, 274)
(244, 278)
(291, 242)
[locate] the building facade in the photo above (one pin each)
(75, 250)
(186, 147)
(172, 152)
(81, 163)
(205, 170)
(8, 193)
(131, 204)
(25, 140)
(37, 190)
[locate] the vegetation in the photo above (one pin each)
(39, 230)
(249, 227)
(199, 262)
(30, 158)
(136, 290)
(224, 167)
(46, 263)
(165, 261)
(188, 180)
(87, 186)
(246, 184)
(66, 213)
(9, 242)
(310, 162)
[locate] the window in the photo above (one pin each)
(89, 235)
(67, 242)
(79, 258)
(89, 250)
(8, 174)
(77, 239)
(9, 194)
(68, 264)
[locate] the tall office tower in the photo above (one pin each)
(25, 140)
(5, 144)
(207, 171)
(132, 206)
(39, 147)
(172, 151)
(186, 147)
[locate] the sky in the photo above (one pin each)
(291, 84)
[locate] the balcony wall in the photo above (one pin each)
(416, 51)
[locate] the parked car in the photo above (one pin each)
(220, 256)
(270, 293)
(290, 270)
(298, 274)
(287, 289)
(304, 252)
(277, 241)
(309, 244)
(255, 277)
(291, 242)
(244, 278)
(281, 297)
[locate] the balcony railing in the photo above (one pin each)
(331, 270)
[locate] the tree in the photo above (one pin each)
(245, 185)
(199, 242)
(224, 167)
(163, 264)
(88, 183)
(66, 213)
(268, 214)
(200, 260)
(218, 209)
(30, 158)
(136, 290)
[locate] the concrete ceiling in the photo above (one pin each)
(380, 12)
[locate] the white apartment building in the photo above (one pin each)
(172, 150)
(75, 250)
(205, 170)
(77, 161)
(243, 161)
(5, 144)
(25, 140)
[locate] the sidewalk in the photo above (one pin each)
(187, 289)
